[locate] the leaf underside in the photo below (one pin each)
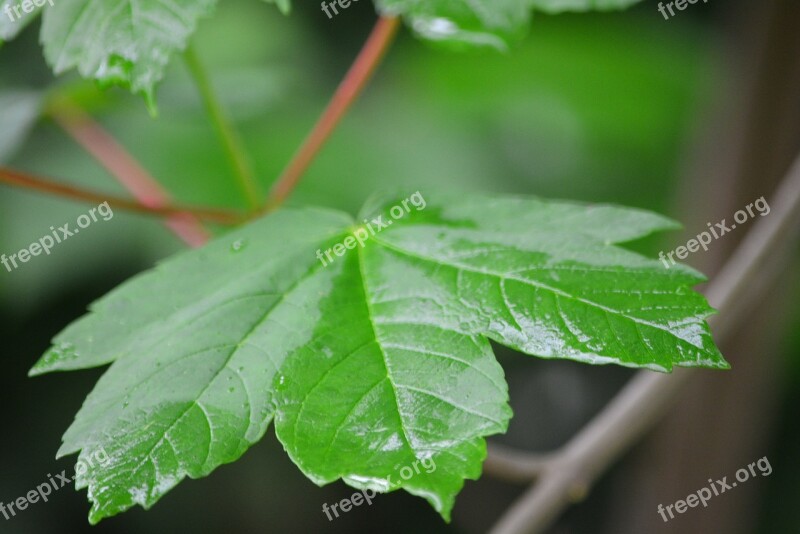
(120, 42)
(493, 23)
(130, 42)
(377, 360)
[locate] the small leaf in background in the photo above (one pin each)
(10, 24)
(284, 5)
(494, 23)
(19, 111)
(117, 43)
(560, 6)
(370, 360)
(120, 42)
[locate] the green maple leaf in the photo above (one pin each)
(374, 358)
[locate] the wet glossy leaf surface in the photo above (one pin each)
(378, 359)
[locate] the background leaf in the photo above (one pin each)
(9, 28)
(560, 6)
(284, 5)
(120, 42)
(493, 23)
(19, 111)
(127, 43)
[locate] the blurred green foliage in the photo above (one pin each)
(586, 108)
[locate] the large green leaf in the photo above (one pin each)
(373, 361)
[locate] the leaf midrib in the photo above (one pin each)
(370, 315)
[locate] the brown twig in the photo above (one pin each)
(34, 183)
(514, 465)
(111, 155)
(351, 86)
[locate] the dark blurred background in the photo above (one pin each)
(694, 117)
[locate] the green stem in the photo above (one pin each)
(227, 134)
